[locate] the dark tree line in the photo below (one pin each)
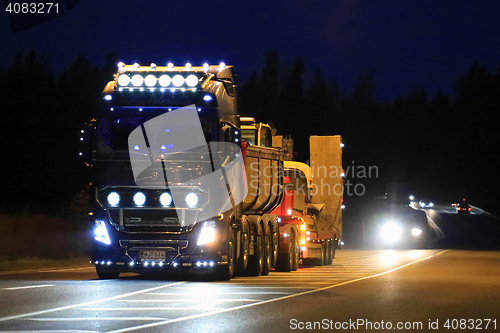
(445, 146)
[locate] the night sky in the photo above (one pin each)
(409, 45)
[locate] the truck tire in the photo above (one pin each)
(320, 261)
(296, 253)
(226, 272)
(256, 261)
(275, 244)
(106, 273)
(331, 251)
(244, 248)
(268, 249)
(285, 260)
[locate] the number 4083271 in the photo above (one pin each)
(32, 8)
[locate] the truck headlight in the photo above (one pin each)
(165, 199)
(207, 234)
(139, 199)
(101, 233)
(113, 199)
(191, 199)
(391, 232)
(416, 232)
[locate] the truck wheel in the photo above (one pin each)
(244, 249)
(226, 272)
(330, 252)
(285, 260)
(268, 250)
(256, 262)
(296, 253)
(320, 261)
(106, 274)
(275, 245)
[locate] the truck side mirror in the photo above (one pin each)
(87, 136)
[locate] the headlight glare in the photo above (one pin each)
(101, 233)
(137, 80)
(207, 234)
(391, 232)
(191, 199)
(165, 80)
(113, 199)
(192, 80)
(416, 232)
(123, 80)
(150, 80)
(165, 199)
(139, 199)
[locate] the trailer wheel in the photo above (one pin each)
(275, 245)
(285, 260)
(296, 253)
(320, 261)
(256, 262)
(226, 272)
(106, 274)
(330, 252)
(268, 249)
(244, 249)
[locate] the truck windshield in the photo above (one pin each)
(113, 133)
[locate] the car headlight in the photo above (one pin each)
(113, 199)
(101, 233)
(416, 232)
(391, 232)
(431, 204)
(191, 199)
(139, 199)
(207, 234)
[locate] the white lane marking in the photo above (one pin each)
(197, 300)
(30, 287)
(200, 315)
(35, 313)
(64, 269)
(216, 293)
(99, 319)
(279, 278)
(161, 308)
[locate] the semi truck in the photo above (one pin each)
(168, 202)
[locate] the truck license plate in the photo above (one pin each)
(153, 255)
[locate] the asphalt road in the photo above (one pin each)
(397, 286)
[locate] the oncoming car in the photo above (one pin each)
(425, 203)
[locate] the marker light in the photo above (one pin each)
(416, 232)
(165, 80)
(121, 64)
(222, 65)
(207, 98)
(207, 234)
(188, 65)
(165, 199)
(113, 199)
(191, 199)
(153, 65)
(303, 227)
(139, 199)
(150, 80)
(178, 80)
(342, 206)
(341, 145)
(136, 65)
(137, 80)
(108, 97)
(302, 241)
(101, 233)
(192, 80)
(205, 66)
(123, 80)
